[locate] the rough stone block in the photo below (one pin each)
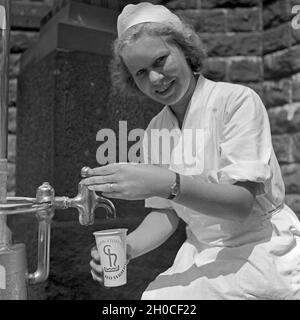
(285, 119)
(215, 69)
(183, 5)
(12, 123)
(11, 148)
(205, 20)
(27, 15)
(296, 147)
(245, 70)
(277, 38)
(277, 93)
(20, 40)
(256, 86)
(283, 148)
(295, 36)
(229, 3)
(14, 65)
(13, 90)
(283, 63)
(296, 87)
(244, 20)
(276, 13)
(291, 177)
(232, 44)
(293, 201)
(278, 120)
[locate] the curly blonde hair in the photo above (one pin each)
(185, 38)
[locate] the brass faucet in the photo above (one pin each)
(86, 202)
(44, 205)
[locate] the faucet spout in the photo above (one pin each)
(86, 203)
(96, 201)
(108, 206)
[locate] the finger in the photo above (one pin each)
(115, 195)
(96, 267)
(104, 170)
(96, 277)
(106, 187)
(98, 180)
(95, 254)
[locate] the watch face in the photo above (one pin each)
(176, 190)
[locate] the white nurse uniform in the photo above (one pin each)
(258, 258)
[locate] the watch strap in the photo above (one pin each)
(175, 188)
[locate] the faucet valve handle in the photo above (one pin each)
(93, 201)
(87, 201)
(84, 172)
(45, 194)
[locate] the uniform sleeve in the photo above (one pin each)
(148, 154)
(245, 142)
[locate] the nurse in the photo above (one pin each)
(243, 241)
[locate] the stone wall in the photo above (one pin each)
(281, 91)
(232, 34)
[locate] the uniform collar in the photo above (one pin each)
(191, 106)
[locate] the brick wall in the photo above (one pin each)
(281, 91)
(248, 41)
(232, 36)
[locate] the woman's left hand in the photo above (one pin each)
(130, 181)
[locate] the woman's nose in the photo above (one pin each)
(155, 77)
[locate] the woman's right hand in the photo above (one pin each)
(96, 268)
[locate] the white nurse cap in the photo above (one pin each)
(133, 14)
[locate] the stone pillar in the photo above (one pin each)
(64, 99)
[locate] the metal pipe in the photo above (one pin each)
(16, 205)
(5, 234)
(4, 63)
(42, 272)
(45, 193)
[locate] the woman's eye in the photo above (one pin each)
(160, 60)
(140, 72)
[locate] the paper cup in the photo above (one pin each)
(111, 245)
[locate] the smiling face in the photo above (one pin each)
(160, 70)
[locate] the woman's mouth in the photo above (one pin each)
(165, 88)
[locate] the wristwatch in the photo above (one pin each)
(175, 188)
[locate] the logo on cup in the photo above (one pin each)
(113, 267)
